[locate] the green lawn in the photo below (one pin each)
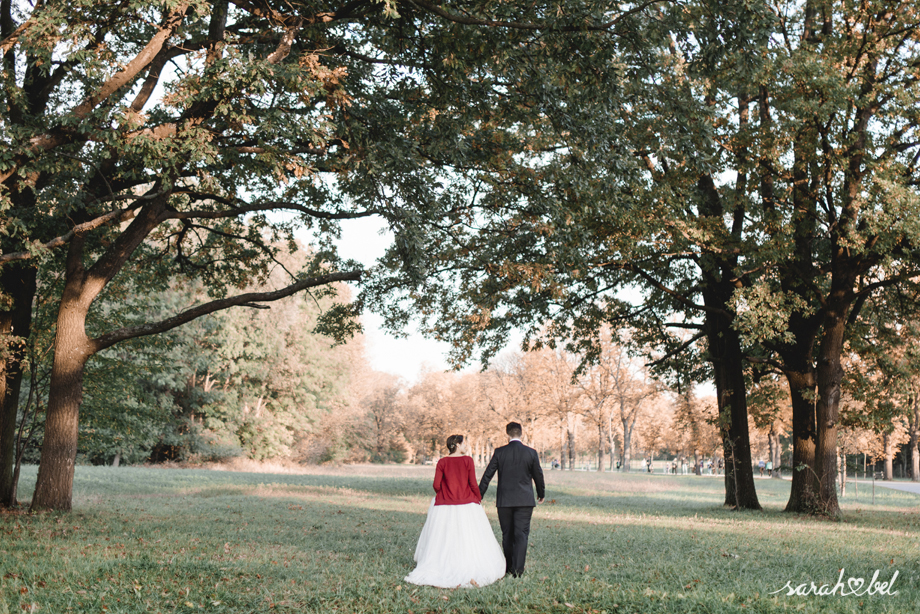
(341, 540)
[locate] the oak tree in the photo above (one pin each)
(194, 136)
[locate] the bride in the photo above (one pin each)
(457, 547)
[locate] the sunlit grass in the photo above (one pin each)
(341, 540)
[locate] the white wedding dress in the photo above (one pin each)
(457, 548)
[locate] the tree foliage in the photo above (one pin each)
(168, 135)
(749, 167)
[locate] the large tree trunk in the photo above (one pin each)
(18, 283)
(726, 355)
(799, 277)
(54, 486)
(7, 414)
(804, 435)
(72, 349)
(728, 367)
(731, 464)
(827, 412)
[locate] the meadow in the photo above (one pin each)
(341, 540)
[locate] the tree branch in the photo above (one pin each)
(112, 216)
(153, 75)
(265, 206)
(284, 47)
(138, 63)
(263, 248)
(657, 284)
(683, 346)
(7, 43)
(767, 361)
(153, 328)
(57, 137)
(472, 21)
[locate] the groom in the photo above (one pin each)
(517, 466)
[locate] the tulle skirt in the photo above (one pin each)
(457, 548)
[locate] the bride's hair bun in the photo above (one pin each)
(453, 441)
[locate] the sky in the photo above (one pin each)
(365, 240)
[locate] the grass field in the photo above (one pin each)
(341, 540)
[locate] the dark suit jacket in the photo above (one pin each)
(517, 466)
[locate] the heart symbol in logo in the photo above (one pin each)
(855, 582)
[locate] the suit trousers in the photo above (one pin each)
(515, 524)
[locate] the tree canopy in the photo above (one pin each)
(194, 137)
(749, 168)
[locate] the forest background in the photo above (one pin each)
(261, 385)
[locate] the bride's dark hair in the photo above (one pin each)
(453, 441)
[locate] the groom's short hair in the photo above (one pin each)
(514, 429)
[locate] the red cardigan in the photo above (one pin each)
(455, 481)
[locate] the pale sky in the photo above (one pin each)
(365, 240)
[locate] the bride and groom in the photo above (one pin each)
(457, 546)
